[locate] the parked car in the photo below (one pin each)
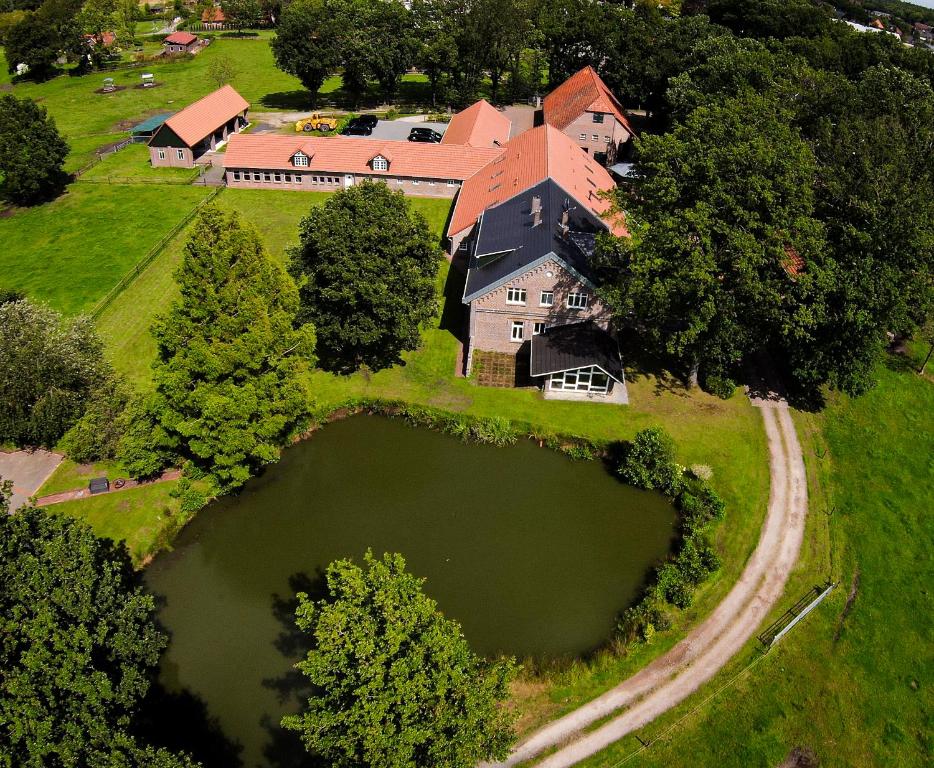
(426, 135)
(356, 129)
(369, 120)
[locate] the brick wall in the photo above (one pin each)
(491, 317)
(312, 180)
(610, 134)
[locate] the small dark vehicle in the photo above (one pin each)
(356, 130)
(426, 135)
(368, 120)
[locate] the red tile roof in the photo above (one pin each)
(180, 38)
(793, 263)
(107, 39)
(582, 92)
(214, 14)
(345, 154)
(207, 114)
(480, 125)
(529, 158)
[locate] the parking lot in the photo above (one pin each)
(398, 130)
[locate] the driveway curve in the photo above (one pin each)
(671, 678)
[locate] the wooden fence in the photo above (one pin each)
(150, 256)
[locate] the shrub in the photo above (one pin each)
(580, 451)
(493, 430)
(96, 435)
(649, 462)
(720, 386)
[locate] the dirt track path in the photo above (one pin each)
(673, 677)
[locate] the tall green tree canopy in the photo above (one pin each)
(32, 152)
(307, 43)
(366, 264)
(231, 355)
(78, 646)
(49, 367)
(395, 683)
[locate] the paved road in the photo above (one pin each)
(28, 471)
(676, 675)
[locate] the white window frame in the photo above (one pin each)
(452, 183)
(546, 299)
(515, 295)
(595, 136)
(606, 139)
(257, 176)
(298, 178)
(415, 182)
(517, 331)
(236, 175)
(277, 177)
(180, 154)
(583, 137)
(267, 176)
(380, 163)
(162, 154)
(578, 300)
(300, 160)
(538, 327)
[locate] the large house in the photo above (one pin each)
(213, 17)
(198, 128)
(327, 163)
(537, 211)
(585, 110)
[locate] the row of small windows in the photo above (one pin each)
(594, 137)
(517, 332)
(288, 178)
(546, 298)
(179, 153)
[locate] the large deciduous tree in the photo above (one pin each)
(32, 152)
(395, 683)
(231, 358)
(367, 264)
(34, 43)
(307, 43)
(48, 368)
(78, 646)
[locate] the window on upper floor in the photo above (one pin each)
(598, 117)
(515, 295)
(300, 160)
(380, 163)
(577, 300)
(546, 299)
(583, 137)
(518, 330)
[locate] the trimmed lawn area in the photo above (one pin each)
(125, 323)
(137, 515)
(71, 251)
(852, 684)
(131, 165)
(69, 476)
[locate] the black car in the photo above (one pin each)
(425, 135)
(356, 129)
(368, 120)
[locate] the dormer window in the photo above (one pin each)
(380, 163)
(300, 160)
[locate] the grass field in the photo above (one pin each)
(71, 251)
(131, 165)
(852, 684)
(136, 515)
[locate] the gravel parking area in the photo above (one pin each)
(28, 471)
(398, 130)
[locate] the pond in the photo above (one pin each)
(533, 553)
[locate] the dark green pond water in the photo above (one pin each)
(534, 554)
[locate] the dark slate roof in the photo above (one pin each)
(566, 347)
(151, 124)
(508, 244)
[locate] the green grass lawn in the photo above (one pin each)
(136, 515)
(89, 120)
(131, 165)
(70, 476)
(71, 251)
(851, 685)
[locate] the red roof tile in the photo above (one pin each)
(213, 15)
(181, 38)
(582, 92)
(480, 125)
(529, 158)
(197, 120)
(344, 154)
(793, 263)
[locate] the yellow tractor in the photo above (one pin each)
(316, 123)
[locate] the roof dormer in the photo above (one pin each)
(301, 159)
(379, 162)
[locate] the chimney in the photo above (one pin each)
(536, 210)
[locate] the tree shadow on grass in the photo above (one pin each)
(642, 362)
(296, 100)
(453, 313)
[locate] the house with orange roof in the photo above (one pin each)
(213, 17)
(198, 128)
(480, 125)
(275, 161)
(586, 111)
(180, 42)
